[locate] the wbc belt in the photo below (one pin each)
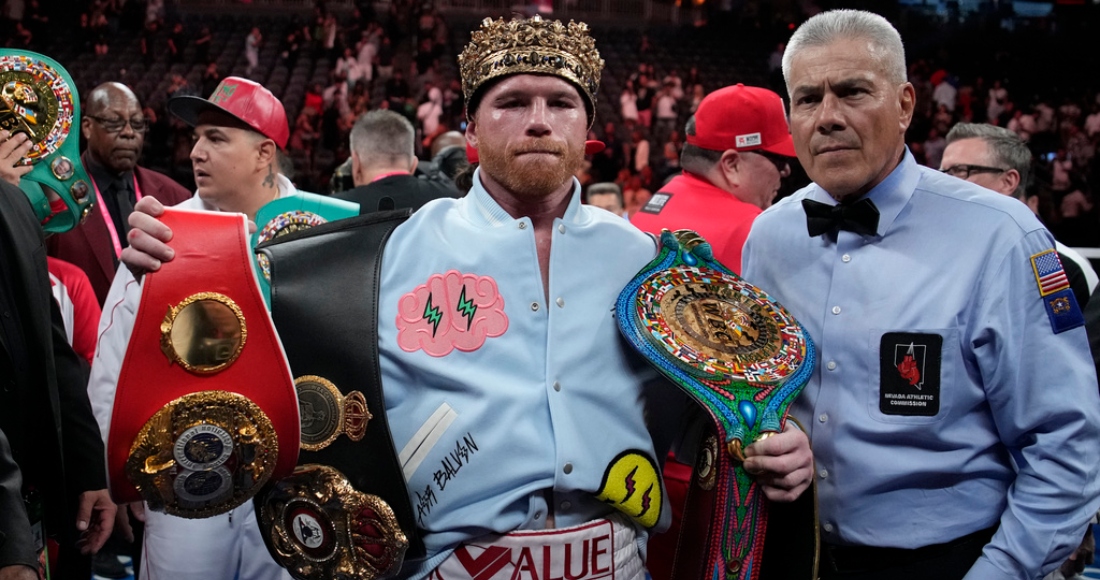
(289, 214)
(743, 358)
(345, 512)
(205, 412)
(38, 98)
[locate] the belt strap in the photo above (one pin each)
(324, 301)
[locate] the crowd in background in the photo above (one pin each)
(403, 58)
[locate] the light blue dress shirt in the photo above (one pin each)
(1015, 439)
(547, 405)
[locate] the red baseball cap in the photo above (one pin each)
(742, 118)
(247, 101)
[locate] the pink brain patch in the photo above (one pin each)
(449, 311)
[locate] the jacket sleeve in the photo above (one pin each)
(85, 460)
(16, 542)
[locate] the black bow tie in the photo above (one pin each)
(860, 217)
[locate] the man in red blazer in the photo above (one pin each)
(114, 125)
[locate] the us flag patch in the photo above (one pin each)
(1049, 273)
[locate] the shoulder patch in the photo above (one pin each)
(449, 311)
(1049, 273)
(656, 203)
(1063, 311)
(1058, 299)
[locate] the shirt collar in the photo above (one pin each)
(484, 210)
(105, 177)
(890, 196)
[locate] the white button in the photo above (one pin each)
(538, 515)
(836, 310)
(845, 258)
(831, 365)
(568, 468)
(823, 473)
(823, 417)
(557, 386)
(827, 527)
(561, 228)
(522, 225)
(535, 306)
(566, 505)
(561, 302)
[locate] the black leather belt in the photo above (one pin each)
(840, 559)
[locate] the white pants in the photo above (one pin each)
(224, 547)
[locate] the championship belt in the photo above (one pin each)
(38, 98)
(740, 356)
(289, 214)
(345, 512)
(205, 411)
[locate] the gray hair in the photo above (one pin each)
(382, 137)
(1006, 147)
(837, 25)
(695, 159)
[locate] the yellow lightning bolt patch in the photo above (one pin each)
(632, 485)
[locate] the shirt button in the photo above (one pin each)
(823, 473)
(560, 302)
(534, 306)
(522, 225)
(836, 310)
(565, 506)
(831, 365)
(538, 515)
(568, 468)
(561, 228)
(823, 417)
(557, 386)
(845, 258)
(827, 527)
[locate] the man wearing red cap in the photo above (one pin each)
(237, 134)
(738, 145)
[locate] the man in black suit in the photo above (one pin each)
(44, 408)
(382, 166)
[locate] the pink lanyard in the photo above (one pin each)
(110, 223)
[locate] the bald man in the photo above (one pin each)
(114, 127)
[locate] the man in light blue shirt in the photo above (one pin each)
(954, 413)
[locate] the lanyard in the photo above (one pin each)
(110, 223)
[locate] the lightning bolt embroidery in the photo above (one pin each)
(432, 314)
(630, 485)
(647, 500)
(466, 308)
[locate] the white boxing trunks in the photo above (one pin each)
(605, 548)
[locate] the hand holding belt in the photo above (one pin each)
(38, 98)
(739, 355)
(205, 411)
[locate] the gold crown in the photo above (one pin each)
(533, 45)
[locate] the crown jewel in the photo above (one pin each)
(533, 45)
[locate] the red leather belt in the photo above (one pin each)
(205, 411)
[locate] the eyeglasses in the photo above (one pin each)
(781, 163)
(138, 124)
(964, 171)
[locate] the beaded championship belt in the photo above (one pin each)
(739, 355)
(205, 413)
(38, 98)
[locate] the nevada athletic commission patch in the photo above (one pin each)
(909, 382)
